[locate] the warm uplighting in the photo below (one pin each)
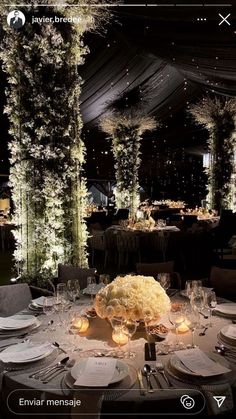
(81, 324)
(184, 326)
(119, 336)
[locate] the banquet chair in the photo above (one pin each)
(128, 245)
(153, 269)
(66, 272)
(161, 240)
(224, 282)
(14, 298)
(97, 243)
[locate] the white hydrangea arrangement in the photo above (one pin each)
(135, 297)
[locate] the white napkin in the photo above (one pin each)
(38, 301)
(26, 354)
(98, 372)
(198, 362)
(8, 323)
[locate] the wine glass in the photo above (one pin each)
(91, 283)
(210, 303)
(189, 288)
(197, 300)
(104, 279)
(117, 324)
(49, 309)
(192, 321)
(130, 329)
(71, 326)
(164, 280)
(73, 289)
(177, 317)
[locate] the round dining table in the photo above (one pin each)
(127, 397)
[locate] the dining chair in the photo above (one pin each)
(153, 269)
(128, 247)
(14, 298)
(160, 243)
(97, 243)
(66, 272)
(224, 282)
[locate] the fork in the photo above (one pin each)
(160, 369)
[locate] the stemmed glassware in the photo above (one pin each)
(177, 317)
(73, 289)
(117, 324)
(130, 329)
(197, 300)
(61, 302)
(91, 284)
(49, 309)
(104, 279)
(210, 304)
(164, 280)
(192, 321)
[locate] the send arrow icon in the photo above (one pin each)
(219, 400)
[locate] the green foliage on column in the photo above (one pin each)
(47, 153)
(219, 117)
(126, 129)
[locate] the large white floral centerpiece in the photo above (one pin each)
(135, 297)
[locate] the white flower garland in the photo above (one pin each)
(47, 153)
(219, 117)
(126, 131)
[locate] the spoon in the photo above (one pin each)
(203, 333)
(43, 371)
(222, 350)
(56, 344)
(146, 371)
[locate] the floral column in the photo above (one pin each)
(126, 129)
(47, 152)
(219, 117)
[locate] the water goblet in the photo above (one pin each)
(164, 280)
(130, 329)
(73, 289)
(192, 321)
(210, 304)
(49, 309)
(91, 283)
(177, 317)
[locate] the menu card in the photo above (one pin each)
(25, 354)
(231, 331)
(198, 362)
(98, 372)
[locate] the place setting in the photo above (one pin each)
(18, 325)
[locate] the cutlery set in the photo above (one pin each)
(46, 374)
(148, 372)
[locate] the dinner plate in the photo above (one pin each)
(15, 333)
(23, 347)
(179, 367)
(17, 322)
(224, 333)
(121, 371)
(226, 309)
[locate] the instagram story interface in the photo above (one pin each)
(117, 208)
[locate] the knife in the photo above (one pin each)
(141, 386)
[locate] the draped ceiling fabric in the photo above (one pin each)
(163, 51)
